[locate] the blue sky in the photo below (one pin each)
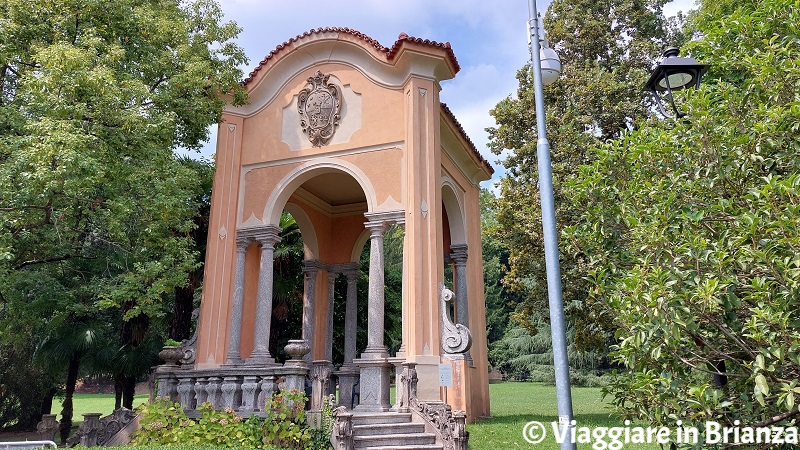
(489, 38)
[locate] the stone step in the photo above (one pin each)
(381, 418)
(405, 447)
(385, 440)
(388, 428)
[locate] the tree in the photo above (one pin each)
(203, 173)
(94, 98)
(500, 302)
(693, 231)
(606, 48)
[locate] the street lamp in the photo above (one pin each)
(546, 69)
(674, 73)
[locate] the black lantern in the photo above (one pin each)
(674, 73)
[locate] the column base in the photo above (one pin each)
(348, 376)
(374, 384)
(260, 360)
(233, 362)
(397, 362)
(373, 353)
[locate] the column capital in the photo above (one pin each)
(385, 219)
(459, 253)
(312, 266)
(343, 268)
(266, 235)
(242, 242)
(376, 228)
(351, 273)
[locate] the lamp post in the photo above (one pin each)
(674, 73)
(552, 69)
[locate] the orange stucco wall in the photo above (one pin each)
(396, 155)
(382, 111)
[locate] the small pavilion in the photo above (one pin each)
(350, 138)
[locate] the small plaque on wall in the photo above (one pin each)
(445, 375)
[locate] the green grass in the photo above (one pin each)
(512, 404)
(515, 404)
(94, 403)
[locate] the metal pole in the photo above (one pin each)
(557, 327)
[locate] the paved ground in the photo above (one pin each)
(18, 436)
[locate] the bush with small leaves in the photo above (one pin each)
(285, 425)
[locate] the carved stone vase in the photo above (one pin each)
(296, 349)
(171, 354)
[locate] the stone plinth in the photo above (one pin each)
(374, 384)
(348, 376)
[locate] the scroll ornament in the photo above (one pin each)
(456, 338)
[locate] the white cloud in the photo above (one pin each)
(488, 39)
(672, 8)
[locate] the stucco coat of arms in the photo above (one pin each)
(319, 105)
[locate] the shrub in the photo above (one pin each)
(164, 423)
(285, 425)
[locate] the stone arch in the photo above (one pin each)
(362, 240)
(287, 186)
(455, 212)
(307, 231)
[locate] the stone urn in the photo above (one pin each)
(171, 354)
(296, 349)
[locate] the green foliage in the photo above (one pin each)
(321, 436)
(96, 213)
(606, 49)
(691, 231)
(164, 423)
(285, 425)
(500, 302)
(529, 357)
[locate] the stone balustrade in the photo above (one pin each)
(243, 389)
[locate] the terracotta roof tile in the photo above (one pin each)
(428, 42)
(472, 147)
(389, 53)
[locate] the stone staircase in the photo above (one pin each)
(391, 431)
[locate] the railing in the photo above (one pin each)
(241, 388)
(449, 426)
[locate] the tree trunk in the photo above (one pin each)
(47, 401)
(66, 412)
(128, 391)
(117, 392)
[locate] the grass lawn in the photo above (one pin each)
(94, 403)
(512, 404)
(515, 404)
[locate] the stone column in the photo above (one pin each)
(235, 328)
(374, 384)
(375, 316)
(348, 374)
(268, 237)
(332, 274)
(350, 316)
(401, 352)
(459, 257)
(310, 268)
